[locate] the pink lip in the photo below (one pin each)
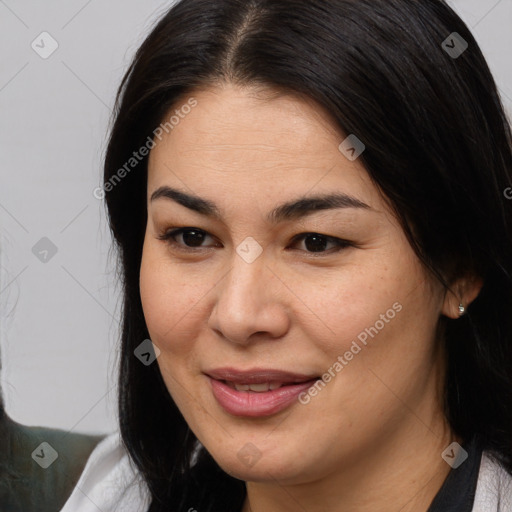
(255, 404)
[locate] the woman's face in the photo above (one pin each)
(243, 293)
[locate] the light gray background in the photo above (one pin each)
(59, 319)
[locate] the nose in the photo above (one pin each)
(250, 303)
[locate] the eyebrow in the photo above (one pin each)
(291, 210)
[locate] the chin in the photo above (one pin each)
(247, 465)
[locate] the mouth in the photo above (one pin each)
(257, 392)
(256, 388)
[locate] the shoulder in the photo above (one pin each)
(494, 487)
(40, 466)
(110, 482)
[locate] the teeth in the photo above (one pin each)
(258, 388)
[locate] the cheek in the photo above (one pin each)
(375, 316)
(168, 303)
(341, 305)
(173, 302)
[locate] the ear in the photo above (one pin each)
(463, 291)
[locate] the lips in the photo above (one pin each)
(258, 376)
(257, 392)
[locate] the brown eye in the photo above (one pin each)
(317, 243)
(191, 238)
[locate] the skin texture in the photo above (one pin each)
(372, 438)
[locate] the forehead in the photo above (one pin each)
(251, 119)
(243, 139)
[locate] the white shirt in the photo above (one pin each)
(110, 483)
(493, 489)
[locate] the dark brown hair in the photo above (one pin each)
(438, 145)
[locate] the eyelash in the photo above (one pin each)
(169, 236)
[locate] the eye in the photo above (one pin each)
(192, 239)
(316, 243)
(192, 236)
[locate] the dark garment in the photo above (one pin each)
(27, 482)
(457, 493)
